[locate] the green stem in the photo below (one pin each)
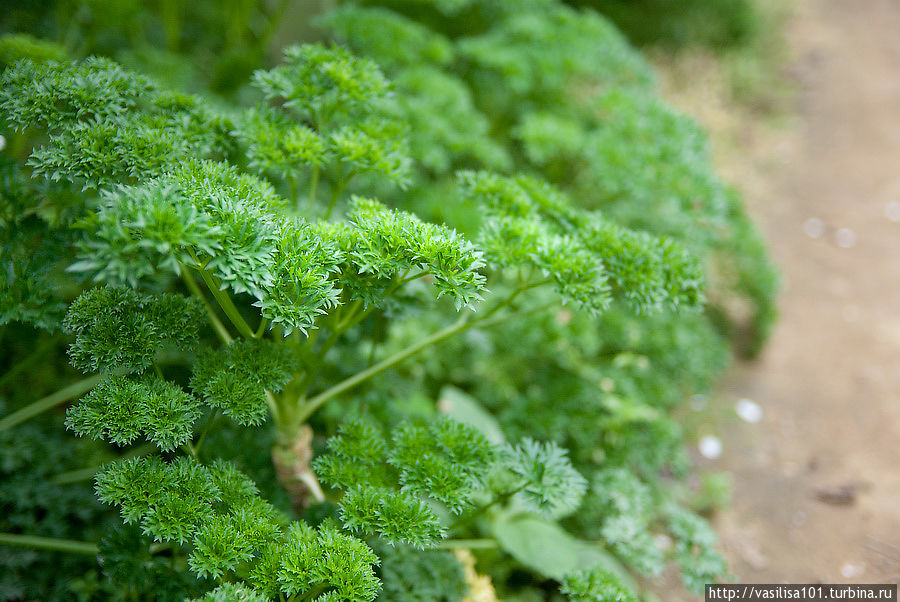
(272, 25)
(35, 355)
(273, 406)
(344, 323)
(224, 301)
(525, 312)
(335, 193)
(312, 593)
(336, 190)
(471, 544)
(306, 410)
(50, 543)
(313, 185)
(75, 476)
(293, 185)
(83, 474)
(206, 427)
(478, 512)
(352, 319)
(262, 328)
(50, 401)
(189, 448)
(194, 288)
(314, 403)
(347, 324)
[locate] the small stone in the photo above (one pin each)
(710, 447)
(749, 410)
(845, 238)
(814, 227)
(852, 571)
(839, 495)
(2, 142)
(892, 211)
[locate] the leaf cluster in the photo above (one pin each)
(336, 103)
(381, 245)
(235, 378)
(106, 125)
(231, 531)
(529, 222)
(595, 585)
(388, 481)
(120, 329)
(122, 408)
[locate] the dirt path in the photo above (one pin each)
(829, 381)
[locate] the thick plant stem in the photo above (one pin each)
(46, 403)
(292, 457)
(49, 543)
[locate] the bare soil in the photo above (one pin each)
(817, 480)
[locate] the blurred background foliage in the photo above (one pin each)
(679, 24)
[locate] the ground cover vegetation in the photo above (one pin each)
(407, 313)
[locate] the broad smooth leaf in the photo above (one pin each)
(546, 548)
(463, 408)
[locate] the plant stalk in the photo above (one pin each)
(194, 288)
(225, 302)
(35, 355)
(470, 544)
(307, 409)
(314, 403)
(50, 401)
(50, 543)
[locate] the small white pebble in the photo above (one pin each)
(851, 571)
(845, 238)
(710, 447)
(662, 541)
(749, 410)
(814, 227)
(892, 211)
(2, 143)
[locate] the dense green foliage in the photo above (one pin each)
(442, 286)
(681, 23)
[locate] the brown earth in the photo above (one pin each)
(817, 480)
